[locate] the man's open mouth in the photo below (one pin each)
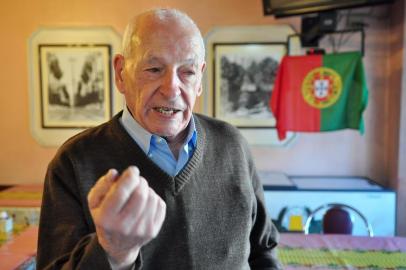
(166, 110)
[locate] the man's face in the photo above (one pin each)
(163, 79)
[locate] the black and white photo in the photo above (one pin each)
(244, 76)
(75, 85)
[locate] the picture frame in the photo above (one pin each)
(71, 81)
(75, 85)
(257, 131)
(244, 75)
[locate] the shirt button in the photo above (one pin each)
(159, 140)
(150, 155)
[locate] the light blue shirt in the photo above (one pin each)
(157, 148)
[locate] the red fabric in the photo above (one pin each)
(287, 93)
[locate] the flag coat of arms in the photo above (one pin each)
(315, 93)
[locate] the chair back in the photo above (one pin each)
(292, 218)
(337, 219)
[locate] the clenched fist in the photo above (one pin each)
(127, 214)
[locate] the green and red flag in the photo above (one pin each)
(315, 93)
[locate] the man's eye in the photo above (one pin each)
(153, 70)
(189, 72)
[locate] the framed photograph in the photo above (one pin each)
(71, 81)
(75, 85)
(241, 64)
(244, 75)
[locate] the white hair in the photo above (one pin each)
(165, 16)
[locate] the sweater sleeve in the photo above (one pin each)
(66, 240)
(264, 235)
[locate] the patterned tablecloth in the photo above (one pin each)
(316, 251)
(296, 251)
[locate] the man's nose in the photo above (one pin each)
(171, 84)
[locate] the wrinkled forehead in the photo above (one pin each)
(154, 37)
(150, 22)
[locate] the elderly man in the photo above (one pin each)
(156, 187)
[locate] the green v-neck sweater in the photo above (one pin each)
(216, 216)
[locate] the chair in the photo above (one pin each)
(337, 219)
(292, 218)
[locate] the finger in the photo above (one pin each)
(121, 191)
(100, 189)
(135, 205)
(154, 226)
(159, 216)
(144, 225)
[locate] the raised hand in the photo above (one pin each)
(127, 214)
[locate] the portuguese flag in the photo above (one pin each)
(315, 93)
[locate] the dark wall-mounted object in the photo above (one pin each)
(283, 8)
(317, 25)
(321, 50)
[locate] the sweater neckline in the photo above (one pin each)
(174, 183)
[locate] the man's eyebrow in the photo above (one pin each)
(191, 61)
(153, 59)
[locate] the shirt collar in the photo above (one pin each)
(192, 133)
(136, 131)
(143, 137)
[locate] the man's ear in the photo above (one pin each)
(203, 67)
(119, 65)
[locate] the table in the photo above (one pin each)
(296, 251)
(318, 251)
(19, 251)
(22, 203)
(21, 195)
